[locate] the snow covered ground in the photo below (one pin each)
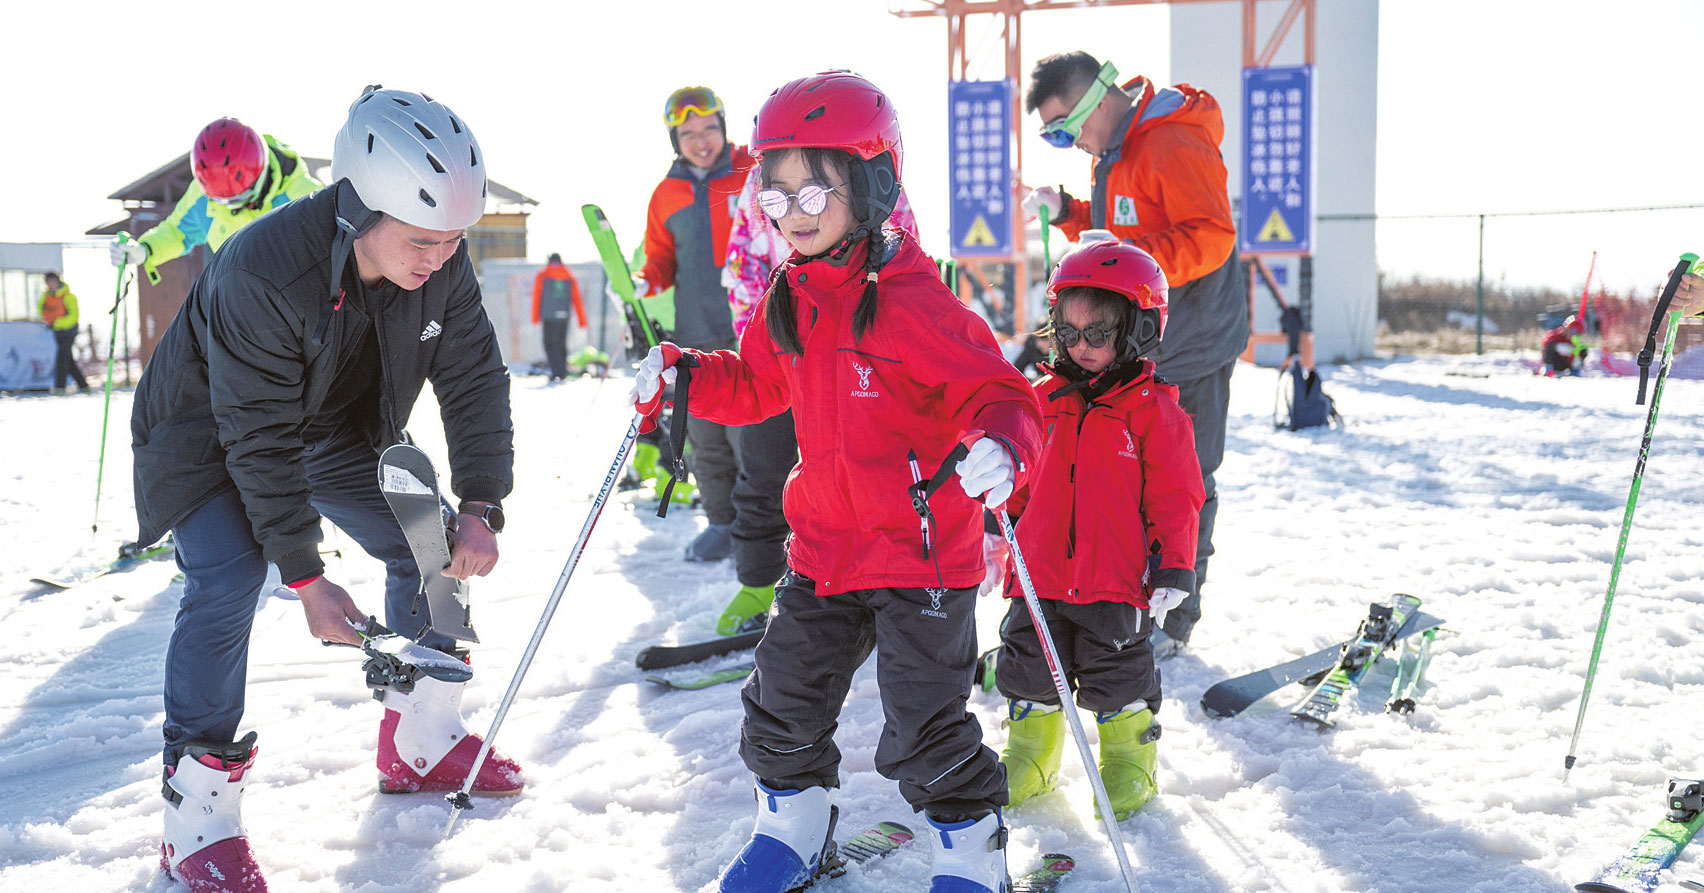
(1493, 494)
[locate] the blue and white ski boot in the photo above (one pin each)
(793, 841)
(968, 856)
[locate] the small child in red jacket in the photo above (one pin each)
(886, 373)
(1107, 528)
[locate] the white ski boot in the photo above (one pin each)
(791, 843)
(968, 856)
(205, 847)
(424, 745)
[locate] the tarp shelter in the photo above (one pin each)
(26, 346)
(507, 287)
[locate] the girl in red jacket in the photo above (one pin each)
(1107, 529)
(879, 362)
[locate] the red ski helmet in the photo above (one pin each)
(839, 110)
(229, 161)
(1124, 269)
(1573, 324)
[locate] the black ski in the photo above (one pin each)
(1232, 696)
(411, 488)
(657, 657)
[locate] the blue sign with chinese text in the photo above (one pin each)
(979, 144)
(1277, 171)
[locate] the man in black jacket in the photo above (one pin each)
(297, 357)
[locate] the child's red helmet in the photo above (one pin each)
(1124, 269)
(229, 161)
(839, 110)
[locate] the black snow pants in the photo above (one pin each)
(1103, 650)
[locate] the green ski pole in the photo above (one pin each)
(106, 409)
(1687, 262)
(1046, 254)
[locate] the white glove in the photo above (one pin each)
(1044, 196)
(987, 473)
(1162, 601)
(127, 252)
(650, 378)
(993, 562)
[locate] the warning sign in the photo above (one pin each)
(1275, 230)
(1277, 207)
(979, 235)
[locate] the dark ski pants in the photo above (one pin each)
(768, 452)
(1207, 400)
(1103, 649)
(715, 462)
(925, 641)
(65, 359)
(556, 346)
(207, 658)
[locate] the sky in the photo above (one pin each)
(1484, 106)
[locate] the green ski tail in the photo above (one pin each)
(642, 332)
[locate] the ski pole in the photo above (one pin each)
(106, 409)
(461, 799)
(1686, 263)
(1066, 704)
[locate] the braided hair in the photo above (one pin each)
(780, 314)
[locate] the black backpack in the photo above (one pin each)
(1304, 404)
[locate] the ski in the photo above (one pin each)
(642, 332)
(411, 489)
(1377, 632)
(1693, 885)
(706, 679)
(875, 842)
(1232, 696)
(657, 657)
(1046, 877)
(1638, 869)
(127, 559)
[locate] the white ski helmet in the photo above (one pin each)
(409, 156)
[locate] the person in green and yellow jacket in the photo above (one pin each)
(58, 308)
(239, 175)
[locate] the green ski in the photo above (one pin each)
(1378, 631)
(1638, 869)
(642, 333)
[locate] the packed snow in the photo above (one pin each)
(1495, 495)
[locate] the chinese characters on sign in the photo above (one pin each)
(979, 143)
(1277, 172)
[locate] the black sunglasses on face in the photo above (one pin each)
(1096, 335)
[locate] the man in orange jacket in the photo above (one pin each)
(554, 289)
(1159, 184)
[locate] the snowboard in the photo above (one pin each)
(126, 560)
(695, 681)
(1232, 696)
(1638, 869)
(657, 657)
(411, 489)
(642, 332)
(1046, 877)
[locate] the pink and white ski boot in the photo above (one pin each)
(424, 745)
(205, 847)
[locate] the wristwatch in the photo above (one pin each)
(492, 515)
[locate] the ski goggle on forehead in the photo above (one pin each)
(248, 195)
(1062, 132)
(812, 199)
(690, 101)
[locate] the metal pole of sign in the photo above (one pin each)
(1479, 301)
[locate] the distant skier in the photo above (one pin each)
(876, 358)
(1159, 184)
(57, 307)
(1107, 530)
(1565, 349)
(686, 240)
(240, 174)
(768, 449)
(555, 292)
(297, 356)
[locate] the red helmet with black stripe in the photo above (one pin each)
(229, 161)
(1124, 269)
(839, 110)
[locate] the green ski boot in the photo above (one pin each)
(645, 456)
(1035, 743)
(1128, 759)
(743, 613)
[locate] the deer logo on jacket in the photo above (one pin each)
(864, 381)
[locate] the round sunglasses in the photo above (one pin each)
(812, 200)
(1096, 335)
